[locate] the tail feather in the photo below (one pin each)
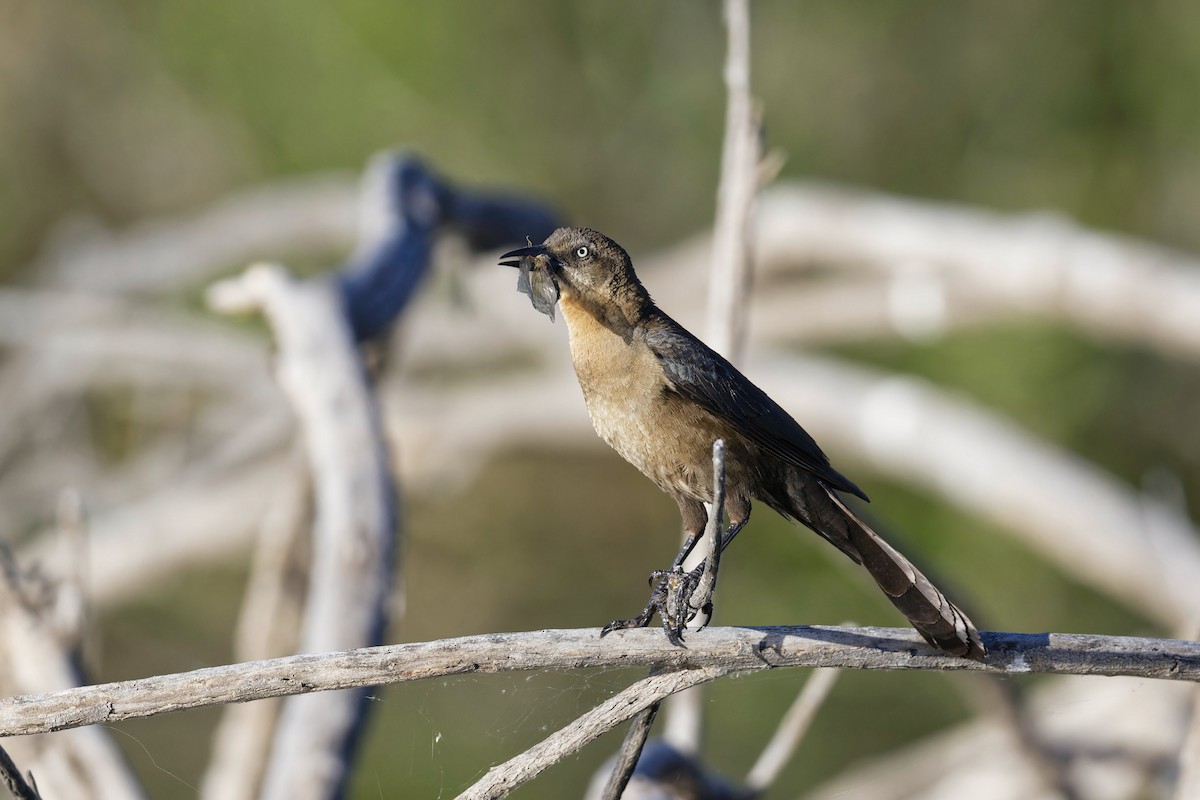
(939, 621)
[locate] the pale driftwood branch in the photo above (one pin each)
(740, 649)
(197, 522)
(84, 764)
(323, 376)
(289, 218)
(268, 626)
(709, 544)
(791, 730)
(728, 287)
(731, 251)
(503, 778)
(72, 612)
(1114, 286)
(114, 338)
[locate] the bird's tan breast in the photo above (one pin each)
(623, 385)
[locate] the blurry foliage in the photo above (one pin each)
(124, 109)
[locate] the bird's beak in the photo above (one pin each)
(524, 252)
(537, 278)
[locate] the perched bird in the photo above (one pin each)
(660, 397)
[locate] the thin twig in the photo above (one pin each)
(735, 194)
(727, 293)
(740, 649)
(13, 780)
(701, 599)
(72, 608)
(791, 730)
(503, 778)
(630, 752)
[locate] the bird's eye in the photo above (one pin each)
(581, 252)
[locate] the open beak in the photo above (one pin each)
(537, 278)
(524, 252)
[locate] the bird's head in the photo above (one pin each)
(577, 264)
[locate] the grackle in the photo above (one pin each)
(660, 397)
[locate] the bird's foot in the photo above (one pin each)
(671, 600)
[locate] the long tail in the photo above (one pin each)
(939, 621)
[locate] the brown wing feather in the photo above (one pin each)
(702, 376)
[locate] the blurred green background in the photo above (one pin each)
(122, 110)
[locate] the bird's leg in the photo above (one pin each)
(689, 544)
(701, 581)
(680, 595)
(664, 594)
(733, 530)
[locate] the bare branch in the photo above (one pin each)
(356, 511)
(707, 551)
(791, 730)
(13, 780)
(81, 763)
(1114, 286)
(735, 194)
(741, 649)
(630, 752)
(502, 779)
(295, 217)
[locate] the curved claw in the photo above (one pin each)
(670, 599)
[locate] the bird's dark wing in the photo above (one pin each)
(702, 376)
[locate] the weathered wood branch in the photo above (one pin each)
(731, 244)
(81, 763)
(1113, 286)
(734, 648)
(321, 371)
